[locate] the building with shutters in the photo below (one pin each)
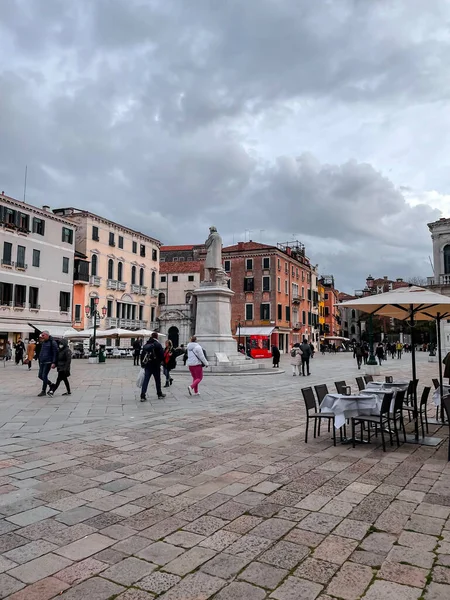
(36, 271)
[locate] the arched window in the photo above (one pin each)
(161, 299)
(94, 265)
(119, 271)
(352, 330)
(141, 276)
(133, 275)
(110, 269)
(153, 280)
(353, 314)
(447, 259)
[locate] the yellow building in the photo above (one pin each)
(123, 273)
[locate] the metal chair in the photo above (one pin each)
(361, 384)
(446, 404)
(410, 391)
(321, 391)
(421, 409)
(435, 383)
(397, 414)
(340, 386)
(380, 421)
(368, 378)
(310, 405)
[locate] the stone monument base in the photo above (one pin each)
(213, 330)
(372, 370)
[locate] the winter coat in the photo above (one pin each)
(20, 349)
(49, 351)
(31, 350)
(159, 352)
(64, 357)
(275, 352)
(296, 360)
(170, 360)
(137, 348)
(196, 355)
(306, 350)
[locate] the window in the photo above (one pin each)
(6, 293)
(119, 271)
(141, 312)
(303, 292)
(353, 314)
(111, 239)
(174, 278)
(279, 284)
(95, 234)
(352, 330)
(303, 317)
(286, 287)
(191, 278)
(265, 311)
(249, 312)
(279, 312)
(94, 265)
(295, 290)
(65, 264)
(266, 283)
(286, 267)
(161, 299)
(249, 264)
(64, 301)
(133, 275)
(227, 266)
(110, 269)
(266, 263)
(67, 235)
(293, 271)
(154, 254)
(142, 250)
(20, 295)
(141, 277)
(327, 311)
(134, 247)
(249, 284)
(23, 221)
(288, 313)
(36, 258)
(7, 253)
(163, 279)
(77, 313)
(326, 296)
(38, 226)
(153, 280)
(33, 297)
(109, 308)
(20, 257)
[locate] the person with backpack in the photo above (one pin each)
(170, 362)
(151, 358)
(196, 361)
(296, 359)
(306, 355)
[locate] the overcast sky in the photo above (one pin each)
(323, 121)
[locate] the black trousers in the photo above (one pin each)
(150, 370)
(305, 361)
(62, 376)
(136, 361)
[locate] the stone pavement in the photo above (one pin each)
(215, 496)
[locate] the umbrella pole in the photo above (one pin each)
(441, 377)
(414, 375)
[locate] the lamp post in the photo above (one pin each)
(239, 332)
(372, 360)
(92, 312)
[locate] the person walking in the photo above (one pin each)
(196, 362)
(63, 360)
(399, 348)
(30, 352)
(8, 351)
(296, 359)
(358, 354)
(170, 362)
(47, 359)
(313, 349)
(275, 356)
(20, 351)
(306, 355)
(151, 358)
(137, 347)
(380, 353)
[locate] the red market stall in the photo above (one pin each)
(258, 338)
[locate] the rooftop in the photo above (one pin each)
(186, 248)
(192, 266)
(246, 246)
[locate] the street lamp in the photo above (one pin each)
(239, 332)
(92, 312)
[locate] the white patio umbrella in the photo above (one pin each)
(116, 332)
(408, 304)
(79, 334)
(146, 333)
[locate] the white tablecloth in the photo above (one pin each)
(344, 407)
(437, 394)
(402, 385)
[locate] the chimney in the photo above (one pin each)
(399, 280)
(385, 277)
(46, 207)
(240, 245)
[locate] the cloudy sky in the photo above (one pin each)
(321, 121)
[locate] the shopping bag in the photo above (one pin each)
(140, 379)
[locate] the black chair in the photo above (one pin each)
(310, 405)
(361, 383)
(340, 386)
(380, 421)
(410, 391)
(446, 404)
(321, 391)
(435, 383)
(368, 378)
(421, 409)
(397, 415)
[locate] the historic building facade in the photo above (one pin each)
(440, 281)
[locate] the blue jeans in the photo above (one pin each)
(154, 370)
(44, 370)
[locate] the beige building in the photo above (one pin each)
(36, 272)
(123, 273)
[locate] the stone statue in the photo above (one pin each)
(213, 264)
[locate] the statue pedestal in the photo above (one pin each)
(213, 329)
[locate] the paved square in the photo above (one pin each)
(213, 496)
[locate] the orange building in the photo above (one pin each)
(332, 324)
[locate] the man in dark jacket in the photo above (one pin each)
(47, 359)
(358, 354)
(151, 358)
(306, 355)
(136, 352)
(63, 361)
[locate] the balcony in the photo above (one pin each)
(7, 263)
(296, 299)
(443, 279)
(112, 284)
(143, 291)
(20, 266)
(297, 326)
(138, 289)
(19, 305)
(123, 323)
(95, 281)
(34, 306)
(121, 286)
(154, 293)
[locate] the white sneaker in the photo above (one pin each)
(190, 390)
(196, 394)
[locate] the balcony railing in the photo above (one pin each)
(7, 263)
(154, 293)
(112, 284)
(296, 299)
(138, 289)
(443, 279)
(124, 323)
(20, 266)
(33, 306)
(121, 286)
(94, 280)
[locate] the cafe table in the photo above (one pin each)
(345, 407)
